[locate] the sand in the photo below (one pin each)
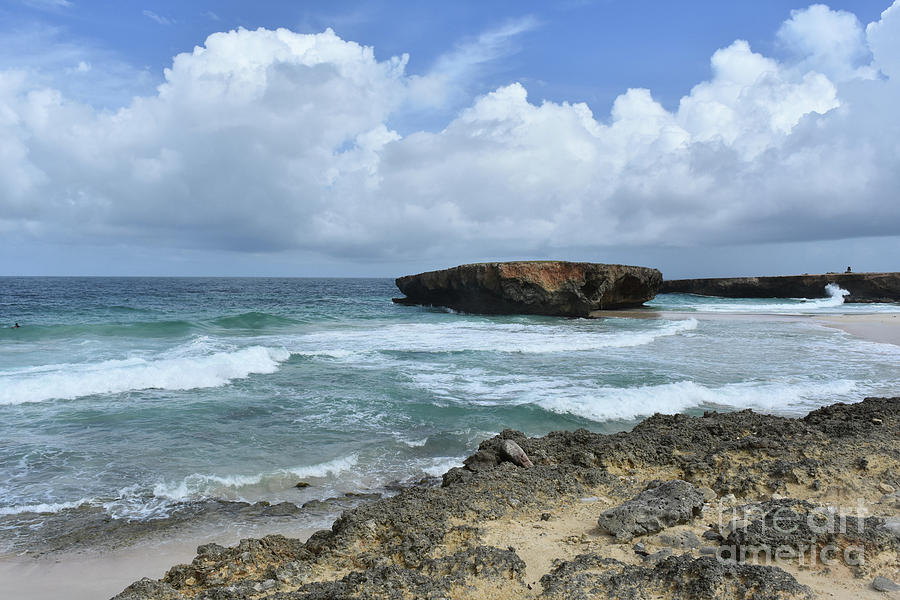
(98, 575)
(571, 531)
(875, 327)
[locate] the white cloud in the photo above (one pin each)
(264, 140)
(447, 78)
(830, 42)
(48, 4)
(158, 18)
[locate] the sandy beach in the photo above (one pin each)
(876, 327)
(100, 574)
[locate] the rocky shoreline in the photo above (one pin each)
(727, 505)
(863, 287)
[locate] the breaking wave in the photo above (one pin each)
(69, 381)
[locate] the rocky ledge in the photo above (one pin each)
(557, 288)
(863, 287)
(725, 505)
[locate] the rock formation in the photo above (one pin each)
(745, 483)
(863, 287)
(532, 287)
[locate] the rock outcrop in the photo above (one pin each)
(498, 530)
(863, 287)
(557, 288)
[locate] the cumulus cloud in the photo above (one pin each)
(269, 140)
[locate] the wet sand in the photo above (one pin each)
(876, 327)
(98, 575)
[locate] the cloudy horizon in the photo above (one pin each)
(304, 150)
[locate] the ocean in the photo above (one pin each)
(134, 400)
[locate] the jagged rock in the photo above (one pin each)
(590, 577)
(652, 510)
(863, 287)
(798, 527)
(436, 541)
(532, 287)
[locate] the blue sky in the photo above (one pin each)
(462, 59)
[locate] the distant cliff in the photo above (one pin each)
(863, 287)
(532, 287)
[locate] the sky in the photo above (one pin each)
(383, 138)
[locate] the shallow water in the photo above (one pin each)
(136, 396)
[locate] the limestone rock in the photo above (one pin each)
(653, 510)
(532, 287)
(863, 287)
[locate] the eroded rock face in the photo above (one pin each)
(863, 287)
(454, 541)
(532, 287)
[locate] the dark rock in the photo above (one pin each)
(798, 527)
(863, 287)
(640, 549)
(671, 503)
(682, 540)
(532, 287)
(713, 536)
(545, 516)
(658, 555)
(302, 484)
(512, 452)
(883, 584)
(589, 576)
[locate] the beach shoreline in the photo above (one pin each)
(101, 573)
(881, 327)
(575, 523)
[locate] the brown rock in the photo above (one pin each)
(532, 287)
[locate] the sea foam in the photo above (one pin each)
(834, 301)
(626, 404)
(483, 336)
(69, 381)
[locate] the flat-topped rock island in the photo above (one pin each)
(556, 288)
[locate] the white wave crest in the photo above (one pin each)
(44, 507)
(69, 381)
(626, 404)
(199, 486)
(482, 336)
(832, 302)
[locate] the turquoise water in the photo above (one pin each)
(141, 395)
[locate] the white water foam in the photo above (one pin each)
(833, 302)
(69, 381)
(626, 404)
(51, 507)
(135, 502)
(481, 336)
(198, 486)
